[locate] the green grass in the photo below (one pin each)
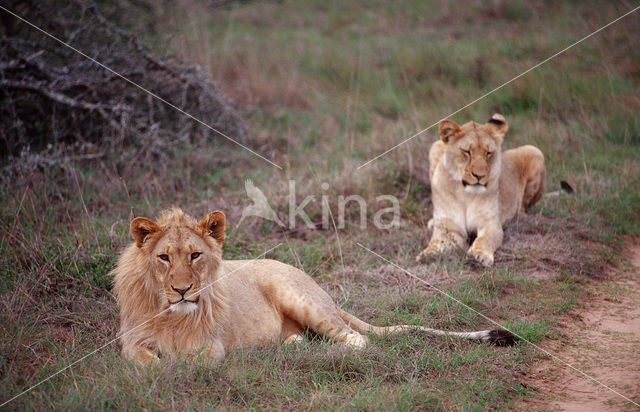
(327, 87)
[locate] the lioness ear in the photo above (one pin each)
(498, 124)
(213, 225)
(142, 228)
(448, 130)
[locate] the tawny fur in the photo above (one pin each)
(232, 304)
(476, 187)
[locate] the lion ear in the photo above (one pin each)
(142, 228)
(498, 125)
(449, 130)
(213, 224)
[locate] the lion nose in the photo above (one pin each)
(478, 177)
(182, 291)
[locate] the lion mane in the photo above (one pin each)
(147, 327)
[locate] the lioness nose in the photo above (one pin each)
(477, 176)
(182, 291)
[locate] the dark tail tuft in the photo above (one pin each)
(566, 186)
(501, 337)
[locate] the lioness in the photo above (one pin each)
(476, 188)
(177, 295)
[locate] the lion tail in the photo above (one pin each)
(498, 337)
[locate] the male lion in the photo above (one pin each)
(177, 295)
(476, 188)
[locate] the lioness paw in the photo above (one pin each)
(420, 257)
(435, 248)
(426, 254)
(430, 224)
(481, 256)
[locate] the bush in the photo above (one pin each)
(52, 97)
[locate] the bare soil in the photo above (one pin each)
(603, 340)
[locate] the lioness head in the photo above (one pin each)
(473, 151)
(183, 255)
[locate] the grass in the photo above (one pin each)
(327, 87)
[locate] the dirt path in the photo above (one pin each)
(603, 340)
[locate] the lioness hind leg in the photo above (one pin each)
(534, 188)
(435, 153)
(530, 161)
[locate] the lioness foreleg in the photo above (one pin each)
(488, 240)
(443, 239)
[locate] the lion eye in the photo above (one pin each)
(195, 255)
(164, 257)
(466, 152)
(489, 154)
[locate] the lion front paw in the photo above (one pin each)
(483, 257)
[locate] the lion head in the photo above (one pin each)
(473, 152)
(172, 263)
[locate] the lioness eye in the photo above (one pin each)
(489, 154)
(195, 255)
(467, 152)
(164, 257)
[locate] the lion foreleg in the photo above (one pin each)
(213, 352)
(139, 354)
